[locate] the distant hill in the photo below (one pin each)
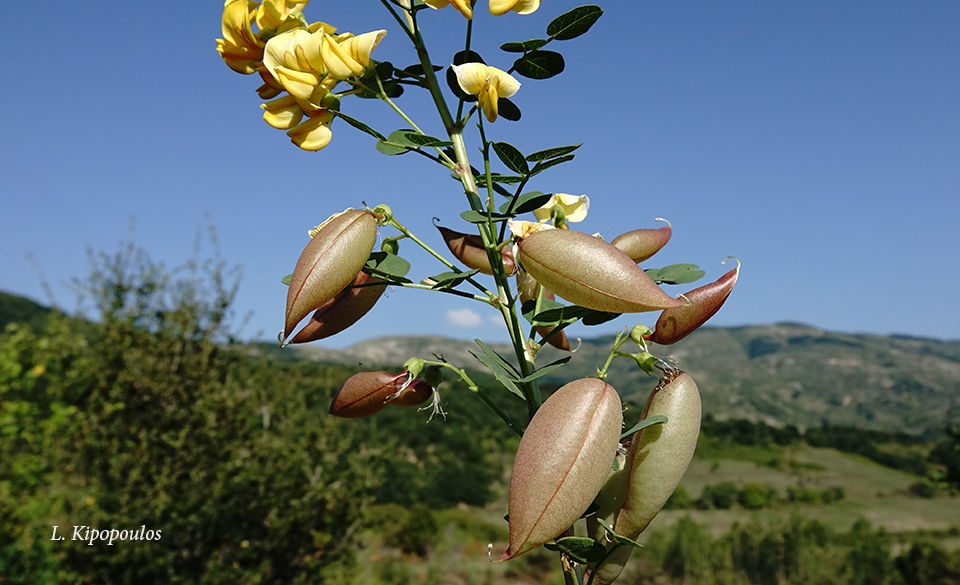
(17, 309)
(786, 373)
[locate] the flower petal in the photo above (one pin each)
(314, 133)
(282, 113)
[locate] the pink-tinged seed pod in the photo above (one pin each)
(468, 248)
(415, 394)
(591, 273)
(659, 456)
(676, 323)
(562, 462)
(644, 243)
(343, 310)
(367, 393)
(328, 263)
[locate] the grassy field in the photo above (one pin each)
(873, 492)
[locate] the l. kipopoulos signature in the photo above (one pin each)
(92, 535)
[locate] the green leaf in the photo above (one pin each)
(616, 537)
(423, 140)
(511, 157)
(524, 46)
(574, 23)
(359, 125)
(676, 274)
(497, 178)
(552, 152)
(286, 279)
(446, 280)
(387, 264)
(658, 419)
(580, 549)
(539, 64)
(391, 149)
(416, 70)
(544, 370)
(503, 363)
(527, 202)
(508, 110)
(528, 309)
(544, 165)
(572, 313)
(473, 216)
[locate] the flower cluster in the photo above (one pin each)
(305, 62)
(497, 7)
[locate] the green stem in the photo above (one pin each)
(473, 387)
(383, 96)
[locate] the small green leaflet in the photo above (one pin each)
(675, 274)
(527, 202)
(524, 46)
(286, 279)
(540, 64)
(544, 165)
(387, 264)
(508, 110)
(474, 216)
(571, 313)
(544, 370)
(359, 125)
(552, 152)
(580, 549)
(658, 419)
(501, 369)
(574, 23)
(423, 140)
(511, 157)
(450, 279)
(397, 142)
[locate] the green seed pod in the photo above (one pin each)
(343, 310)
(659, 456)
(644, 243)
(468, 248)
(334, 256)
(676, 323)
(590, 272)
(562, 462)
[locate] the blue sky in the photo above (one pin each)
(819, 142)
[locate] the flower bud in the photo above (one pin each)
(562, 462)
(644, 243)
(343, 310)
(590, 272)
(330, 261)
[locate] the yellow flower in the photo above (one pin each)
(574, 207)
(314, 132)
(294, 62)
(489, 84)
(272, 13)
(282, 113)
(463, 6)
(240, 49)
(348, 56)
(498, 7)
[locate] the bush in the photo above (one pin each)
(754, 496)
(721, 496)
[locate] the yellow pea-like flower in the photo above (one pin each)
(498, 7)
(574, 207)
(462, 6)
(489, 84)
(282, 113)
(348, 57)
(240, 49)
(272, 13)
(314, 132)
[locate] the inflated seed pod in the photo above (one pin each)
(365, 393)
(591, 273)
(333, 257)
(563, 459)
(676, 323)
(468, 248)
(415, 394)
(643, 243)
(659, 456)
(527, 288)
(343, 310)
